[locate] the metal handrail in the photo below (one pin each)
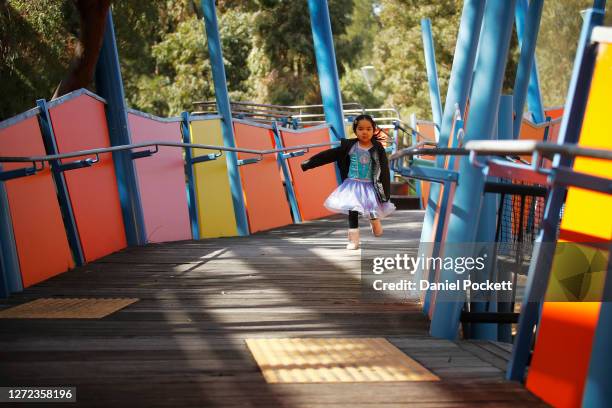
(546, 149)
(507, 148)
(46, 158)
(265, 105)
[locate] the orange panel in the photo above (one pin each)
(563, 347)
(80, 124)
(161, 180)
(554, 113)
(427, 129)
(311, 188)
(425, 187)
(40, 236)
(264, 194)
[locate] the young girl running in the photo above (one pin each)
(366, 182)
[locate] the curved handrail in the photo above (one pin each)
(46, 158)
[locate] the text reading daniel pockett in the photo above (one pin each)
(460, 265)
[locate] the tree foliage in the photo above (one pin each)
(556, 46)
(267, 49)
(37, 40)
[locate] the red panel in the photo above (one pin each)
(161, 180)
(39, 231)
(80, 124)
(265, 198)
(313, 187)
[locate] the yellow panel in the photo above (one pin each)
(214, 195)
(586, 211)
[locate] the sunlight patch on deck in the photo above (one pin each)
(334, 360)
(66, 308)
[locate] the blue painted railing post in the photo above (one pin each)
(10, 275)
(432, 75)
(505, 123)
(487, 224)
(109, 85)
(458, 88)
(223, 107)
(541, 259)
(63, 196)
(484, 104)
(597, 390)
(526, 83)
(326, 67)
(191, 194)
(297, 217)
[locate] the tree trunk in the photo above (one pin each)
(93, 21)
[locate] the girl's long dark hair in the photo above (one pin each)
(377, 135)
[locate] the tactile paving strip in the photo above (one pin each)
(334, 360)
(66, 308)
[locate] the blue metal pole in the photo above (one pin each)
(72, 233)
(484, 103)
(505, 123)
(192, 201)
(458, 88)
(326, 67)
(539, 268)
(444, 206)
(432, 75)
(597, 390)
(10, 279)
(297, 217)
(394, 146)
(526, 83)
(109, 85)
(223, 107)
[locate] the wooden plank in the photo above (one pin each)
(183, 343)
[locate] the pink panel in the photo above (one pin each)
(80, 124)
(161, 180)
(39, 231)
(266, 201)
(312, 187)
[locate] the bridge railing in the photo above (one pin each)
(61, 203)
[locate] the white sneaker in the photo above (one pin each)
(353, 238)
(377, 229)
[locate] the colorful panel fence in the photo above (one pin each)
(161, 180)
(214, 196)
(565, 337)
(40, 236)
(313, 187)
(265, 197)
(79, 123)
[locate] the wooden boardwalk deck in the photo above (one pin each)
(183, 344)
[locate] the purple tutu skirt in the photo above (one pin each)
(360, 196)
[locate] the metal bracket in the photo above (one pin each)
(428, 174)
(79, 164)
(206, 157)
(144, 153)
(23, 172)
(289, 155)
(244, 162)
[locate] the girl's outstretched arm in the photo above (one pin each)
(321, 158)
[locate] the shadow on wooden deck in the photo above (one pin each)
(183, 344)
